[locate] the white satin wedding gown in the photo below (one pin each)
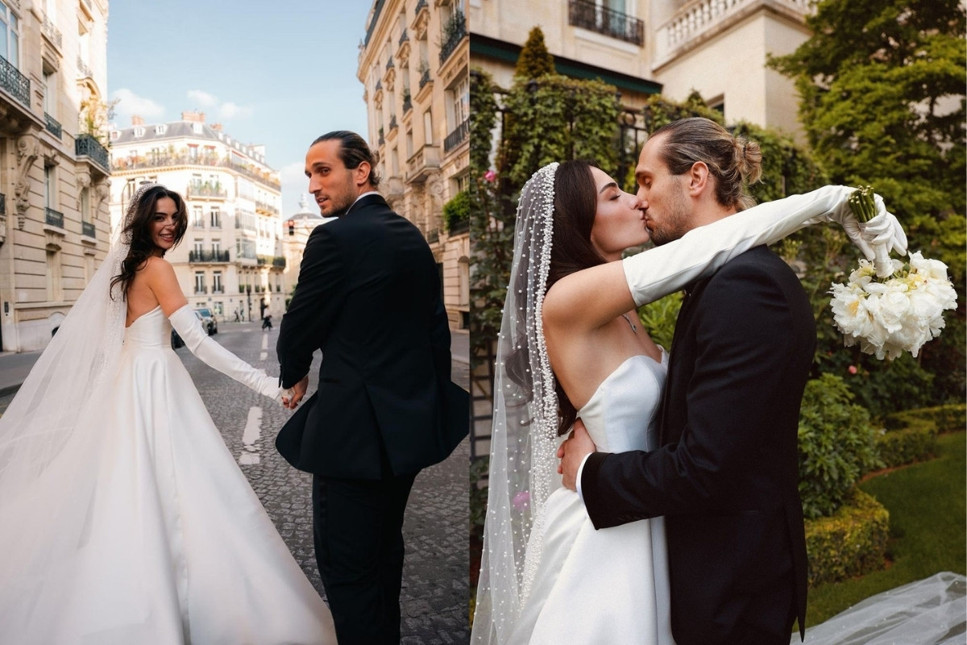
(174, 546)
(609, 586)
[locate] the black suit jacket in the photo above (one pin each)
(726, 473)
(369, 296)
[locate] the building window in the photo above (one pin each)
(428, 127)
(607, 17)
(199, 247)
(217, 283)
(9, 36)
(50, 187)
(197, 219)
(216, 218)
(54, 291)
(200, 282)
(218, 307)
(85, 206)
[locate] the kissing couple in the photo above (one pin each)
(671, 512)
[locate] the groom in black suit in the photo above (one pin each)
(726, 474)
(369, 297)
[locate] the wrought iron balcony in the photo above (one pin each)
(458, 136)
(201, 289)
(424, 77)
(208, 256)
(83, 67)
(407, 103)
(392, 122)
(54, 218)
(459, 226)
(454, 32)
(389, 64)
(403, 37)
(420, 6)
(14, 82)
(278, 261)
(88, 229)
(87, 146)
(53, 126)
(433, 235)
(52, 32)
(588, 15)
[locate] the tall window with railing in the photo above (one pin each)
(200, 282)
(9, 36)
(197, 218)
(608, 17)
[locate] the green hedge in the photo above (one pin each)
(911, 435)
(850, 543)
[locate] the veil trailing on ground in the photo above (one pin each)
(523, 463)
(49, 418)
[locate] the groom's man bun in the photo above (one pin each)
(353, 150)
(735, 162)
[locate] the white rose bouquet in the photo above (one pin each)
(889, 312)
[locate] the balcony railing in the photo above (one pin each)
(88, 229)
(201, 289)
(433, 235)
(407, 103)
(588, 15)
(698, 17)
(14, 82)
(87, 146)
(83, 67)
(206, 189)
(53, 126)
(278, 261)
(422, 162)
(52, 32)
(54, 218)
(3, 204)
(458, 136)
(454, 32)
(424, 77)
(420, 6)
(403, 38)
(208, 256)
(266, 207)
(392, 122)
(184, 159)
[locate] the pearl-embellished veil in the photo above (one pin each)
(523, 463)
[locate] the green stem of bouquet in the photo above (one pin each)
(862, 204)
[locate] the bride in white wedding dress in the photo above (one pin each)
(570, 347)
(123, 516)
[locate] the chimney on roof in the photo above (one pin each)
(193, 117)
(136, 120)
(217, 127)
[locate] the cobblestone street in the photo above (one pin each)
(435, 585)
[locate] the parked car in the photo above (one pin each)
(207, 320)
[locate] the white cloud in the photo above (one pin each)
(130, 104)
(229, 110)
(202, 99)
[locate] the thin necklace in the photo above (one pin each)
(634, 327)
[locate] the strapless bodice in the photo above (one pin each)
(149, 330)
(620, 413)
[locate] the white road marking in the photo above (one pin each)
(265, 345)
(251, 434)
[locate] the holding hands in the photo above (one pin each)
(294, 394)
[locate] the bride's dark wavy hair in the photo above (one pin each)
(138, 231)
(575, 205)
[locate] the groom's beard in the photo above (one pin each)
(674, 222)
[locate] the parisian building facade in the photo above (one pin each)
(715, 47)
(54, 167)
(231, 259)
(413, 65)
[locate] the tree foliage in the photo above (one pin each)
(882, 86)
(534, 60)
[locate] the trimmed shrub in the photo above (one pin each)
(836, 445)
(852, 542)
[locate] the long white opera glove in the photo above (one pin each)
(669, 267)
(214, 355)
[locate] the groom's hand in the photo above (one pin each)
(298, 391)
(572, 453)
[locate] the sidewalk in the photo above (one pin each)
(14, 369)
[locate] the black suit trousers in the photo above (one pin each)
(359, 548)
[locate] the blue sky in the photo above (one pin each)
(274, 73)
